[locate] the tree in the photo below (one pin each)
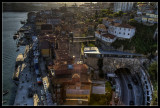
(153, 71)
(91, 45)
(120, 13)
(115, 14)
(101, 74)
(132, 16)
(100, 20)
(83, 35)
(133, 22)
(108, 90)
(100, 63)
(96, 14)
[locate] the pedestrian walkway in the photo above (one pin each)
(25, 81)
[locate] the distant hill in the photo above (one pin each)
(25, 7)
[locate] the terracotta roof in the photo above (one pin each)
(122, 25)
(108, 36)
(115, 24)
(126, 26)
(102, 26)
(97, 32)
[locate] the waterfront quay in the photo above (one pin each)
(28, 83)
(25, 81)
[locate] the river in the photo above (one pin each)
(10, 24)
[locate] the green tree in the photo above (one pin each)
(96, 14)
(108, 90)
(101, 74)
(120, 13)
(100, 63)
(115, 14)
(132, 16)
(153, 71)
(91, 45)
(100, 20)
(83, 35)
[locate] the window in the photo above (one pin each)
(120, 28)
(129, 29)
(115, 31)
(124, 33)
(146, 87)
(119, 32)
(128, 33)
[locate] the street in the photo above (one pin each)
(134, 94)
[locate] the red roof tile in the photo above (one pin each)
(108, 36)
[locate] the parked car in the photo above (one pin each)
(39, 80)
(30, 92)
(42, 99)
(131, 103)
(42, 92)
(129, 86)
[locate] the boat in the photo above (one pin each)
(4, 101)
(23, 22)
(5, 92)
(17, 50)
(19, 61)
(16, 35)
(16, 74)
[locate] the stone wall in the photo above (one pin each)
(111, 64)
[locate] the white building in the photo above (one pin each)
(121, 30)
(123, 6)
(108, 38)
(105, 37)
(107, 21)
(97, 34)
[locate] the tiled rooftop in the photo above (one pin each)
(102, 26)
(108, 36)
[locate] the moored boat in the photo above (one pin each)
(5, 92)
(23, 22)
(16, 35)
(4, 101)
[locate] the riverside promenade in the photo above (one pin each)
(25, 81)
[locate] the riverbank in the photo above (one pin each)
(10, 24)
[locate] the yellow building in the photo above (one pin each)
(45, 48)
(79, 90)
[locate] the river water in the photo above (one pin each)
(10, 24)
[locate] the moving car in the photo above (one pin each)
(131, 103)
(129, 86)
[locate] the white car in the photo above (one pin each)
(42, 92)
(42, 99)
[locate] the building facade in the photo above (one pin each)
(121, 30)
(123, 6)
